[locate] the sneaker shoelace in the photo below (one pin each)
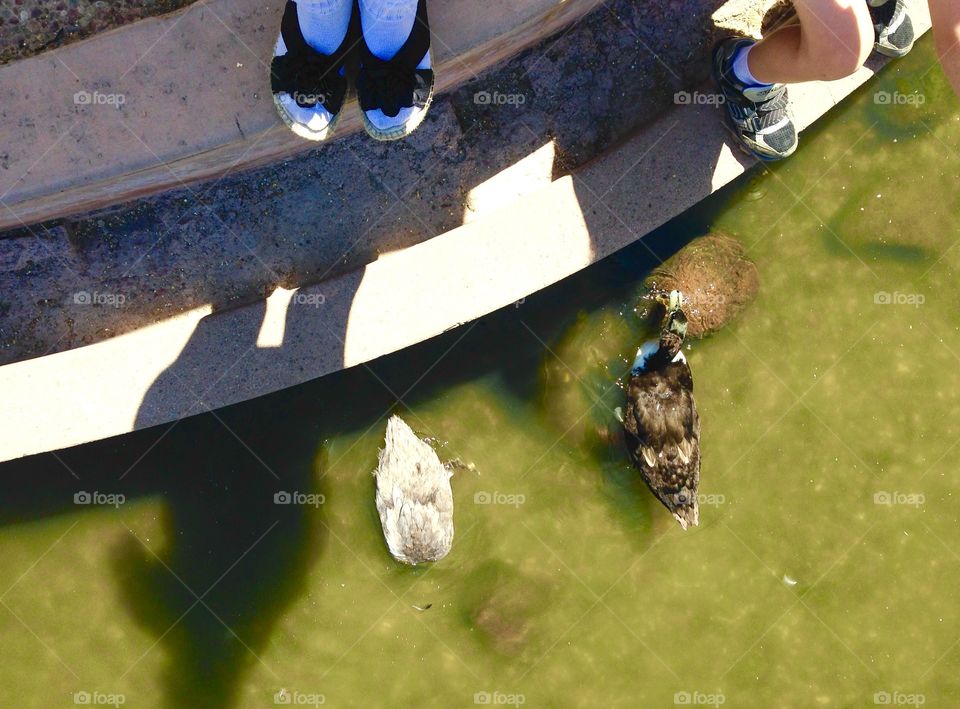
(765, 113)
(773, 109)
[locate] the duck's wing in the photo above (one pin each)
(663, 438)
(417, 519)
(661, 409)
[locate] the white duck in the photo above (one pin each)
(414, 497)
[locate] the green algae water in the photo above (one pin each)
(236, 559)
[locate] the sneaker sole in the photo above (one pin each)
(301, 130)
(750, 153)
(400, 132)
(891, 51)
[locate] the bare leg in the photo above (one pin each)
(946, 31)
(831, 41)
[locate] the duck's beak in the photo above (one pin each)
(675, 301)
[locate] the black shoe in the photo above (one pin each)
(757, 116)
(894, 30)
(309, 87)
(394, 95)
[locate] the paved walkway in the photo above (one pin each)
(207, 357)
(200, 361)
(186, 97)
(335, 209)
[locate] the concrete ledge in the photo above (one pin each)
(196, 99)
(201, 360)
(231, 241)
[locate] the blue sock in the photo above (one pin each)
(324, 23)
(387, 25)
(742, 71)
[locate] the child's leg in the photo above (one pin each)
(831, 41)
(833, 38)
(946, 31)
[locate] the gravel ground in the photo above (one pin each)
(28, 27)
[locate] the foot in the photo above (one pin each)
(395, 82)
(309, 65)
(894, 30)
(757, 115)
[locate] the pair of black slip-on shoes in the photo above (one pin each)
(310, 88)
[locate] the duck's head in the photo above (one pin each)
(654, 354)
(675, 324)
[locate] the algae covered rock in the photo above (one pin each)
(718, 282)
